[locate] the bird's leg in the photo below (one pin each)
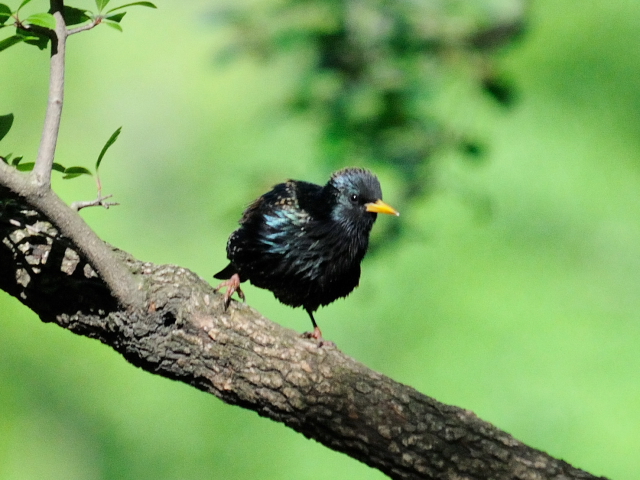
(232, 285)
(317, 334)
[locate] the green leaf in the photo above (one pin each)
(16, 161)
(101, 4)
(57, 167)
(10, 41)
(24, 2)
(4, 159)
(40, 41)
(74, 16)
(116, 17)
(45, 20)
(134, 4)
(73, 172)
(5, 13)
(5, 124)
(33, 38)
(111, 141)
(25, 167)
(112, 24)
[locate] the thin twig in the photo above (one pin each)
(94, 23)
(98, 202)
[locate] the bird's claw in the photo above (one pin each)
(317, 335)
(232, 285)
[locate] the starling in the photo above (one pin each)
(304, 242)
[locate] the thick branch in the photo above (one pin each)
(244, 359)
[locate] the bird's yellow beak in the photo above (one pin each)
(380, 207)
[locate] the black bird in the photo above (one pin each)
(304, 242)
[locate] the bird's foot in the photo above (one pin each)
(317, 335)
(232, 285)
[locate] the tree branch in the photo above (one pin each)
(246, 360)
(168, 321)
(122, 283)
(100, 201)
(41, 173)
(83, 28)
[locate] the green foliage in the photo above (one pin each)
(133, 4)
(15, 161)
(37, 28)
(113, 20)
(530, 320)
(100, 4)
(112, 139)
(116, 17)
(112, 24)
(24, 167)
(34, 30)
(30, 37)
(371, 71)
(24, 2)
(58, 168)
(73, 172)
(44, 20)
(75, 16)
(10, 41)
(5, 13)
(6, 121)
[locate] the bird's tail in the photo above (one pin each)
(226, 272)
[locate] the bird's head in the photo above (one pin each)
(357, 198)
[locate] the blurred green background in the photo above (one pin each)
(512, 292)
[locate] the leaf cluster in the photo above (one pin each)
(6, 121)
(37, 29)
(109, 17)
(33, 30)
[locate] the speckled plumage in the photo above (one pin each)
(304, 242)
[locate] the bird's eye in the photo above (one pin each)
(354, 198)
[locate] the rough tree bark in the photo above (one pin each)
(168, 321)
(178, 329)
